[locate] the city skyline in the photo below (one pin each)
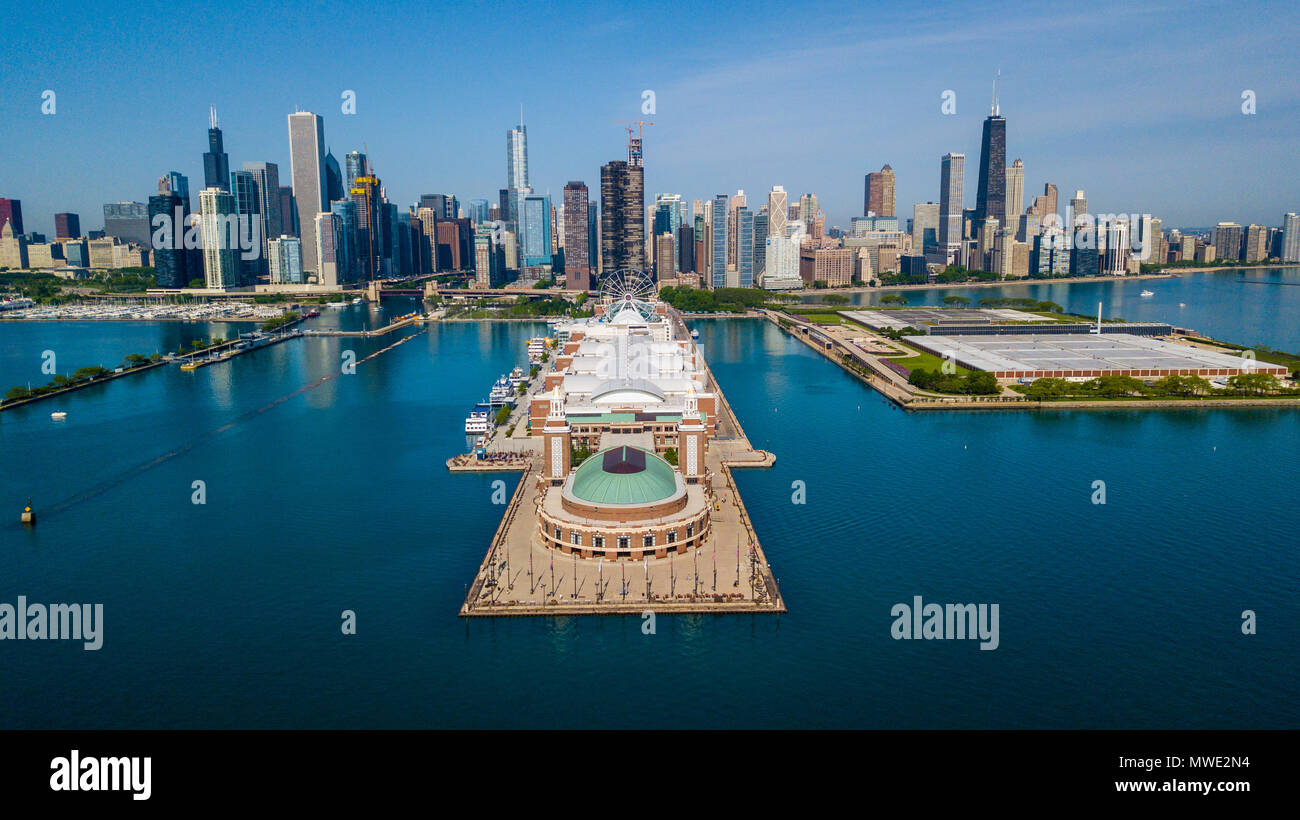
(1167, 158)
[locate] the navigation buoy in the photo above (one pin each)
(29, 516)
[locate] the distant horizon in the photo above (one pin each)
(812, 101)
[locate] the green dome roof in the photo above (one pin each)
(624, 475)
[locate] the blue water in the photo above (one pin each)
(227, 614)
(1250, 306)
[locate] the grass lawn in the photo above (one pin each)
(923, 360)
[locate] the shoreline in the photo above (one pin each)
(910, 399)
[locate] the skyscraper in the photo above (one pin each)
(216, 164)
(307, 169)
(365, 196)
(744, 247)
(879, 198)
(577, 260)
(778, 208)
(346, 254)
(1228, 240)
(220, 246)
(952, 173)
(331, 249)
(354, 165)
(622, 216)
(1291, 238)
(266, 180)
(718, 249)
(243, 187)
(536, 231)
(167, 220)
(925, 225)
(333, 178)
(1015, 194)
(760, 243)
(288, 212)
(130, 220)
(11, 211)
(517, 156)
(990, 197)
(67, 226)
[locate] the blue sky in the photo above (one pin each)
(1138, 104)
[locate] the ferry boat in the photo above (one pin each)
(356, 301)
(502, 393)
(695, 334)
(58, 415)
(518, 377)
(477, 422)
(1148, 293)
(536, 347)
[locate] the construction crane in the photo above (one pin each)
(634, 143)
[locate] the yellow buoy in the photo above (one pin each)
(29, 517)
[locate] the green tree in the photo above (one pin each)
(1254, 383)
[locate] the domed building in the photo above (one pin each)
(624, 502)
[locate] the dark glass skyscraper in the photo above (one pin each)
(216, 164)
(577, 262)
(333, 179)
(991, 197)
(170, 259)
(243, 184)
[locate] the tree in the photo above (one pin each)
(893, 299)
(1254, 383)
(670, 456)
(956, 301)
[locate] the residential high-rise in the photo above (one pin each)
(744, 247)
(167, 219)
(879, 198)
(991, 195)
(67, 226)
(760, 243)
(286, 261)
(1015, 189)
(354, 165)
(1291, 238)
(331, 249)
(1228, 238)
(622, 215)
(366, 198)
(952, 172)
(220, 242)
(665, 256)
(216, 164)
(718, 245)
(778, 208)
(307, 169)
(266, 182)
(243, 187)
(577, 257)
(346, 254)
(1255, 246)
(11, 211)
(536, 231)
(733, 232)
(517, 156)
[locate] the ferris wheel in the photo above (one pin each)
(629, 288)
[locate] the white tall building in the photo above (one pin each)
(1015, 192)
(307, 168)
(778, 208)
(1291, 238)
(286, 261)
(219, 225)
(782, 271)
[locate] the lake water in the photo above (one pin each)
(331, 496)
